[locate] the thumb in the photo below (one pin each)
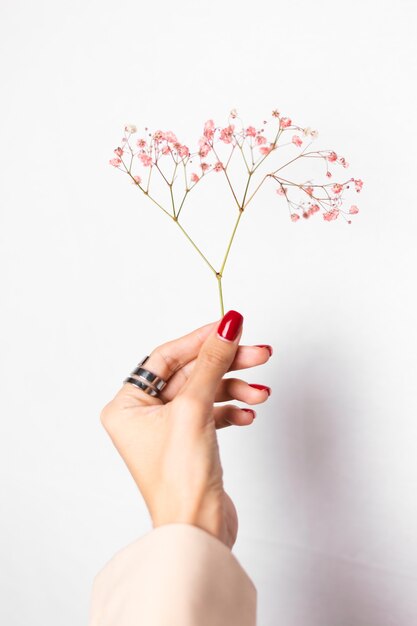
(214, 359)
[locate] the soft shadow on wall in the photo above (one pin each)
(322, 534)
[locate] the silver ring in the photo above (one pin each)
(142, 378)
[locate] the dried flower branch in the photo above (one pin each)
(161, 154)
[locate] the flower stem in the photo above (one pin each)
(219, 283)
(195, 245)
(230, 242)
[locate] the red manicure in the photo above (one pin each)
(263, 345)
(261, 387)
(230, 325)
(250, 411)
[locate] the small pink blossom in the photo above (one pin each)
(260, 139)
(294, 217)
(275, 113)
(343, 162)
(226, 134)
(130, 128)
(194, 178)
(183, 151)
(314, 208)
(297, 141)
(204, 166)
(281, 191)
(285, 122)
(251, 131)
(145, 159)
(353, 209)
(358, 185)
(331, 215)
(218, 166)
(309, 190)
(332, 157)
(204, 150)
(137, 179)
(141, 143)
(166, 149)
(266, 149)
(115, 162)
(119, 152)
(328, 174)
(159, 136)
(209, 129)
(170, 137)
(337, 188)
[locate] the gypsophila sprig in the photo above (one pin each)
(263, 155)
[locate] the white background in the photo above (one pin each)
(93, 277)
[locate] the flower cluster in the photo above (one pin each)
(264, 151)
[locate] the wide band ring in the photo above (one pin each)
(142, 378)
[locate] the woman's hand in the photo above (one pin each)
(169, 442)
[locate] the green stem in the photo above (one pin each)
(219, 283)
(230, 242)
(195, 246)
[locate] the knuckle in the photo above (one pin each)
(164, 352)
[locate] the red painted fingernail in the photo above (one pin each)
(261, 387)
(264, 345)
(230, 325)
(250, 411)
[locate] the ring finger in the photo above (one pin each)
(237, 389)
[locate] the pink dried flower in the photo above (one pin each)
(285, 122)
(337, 188)
(170, 137)
(358, 184)
(226, 134)
(331, 215)
(209, 129)
(204, 147)
(145, 159)
(183, 151)
(159, 136)
(327, 196)
(260, 139)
